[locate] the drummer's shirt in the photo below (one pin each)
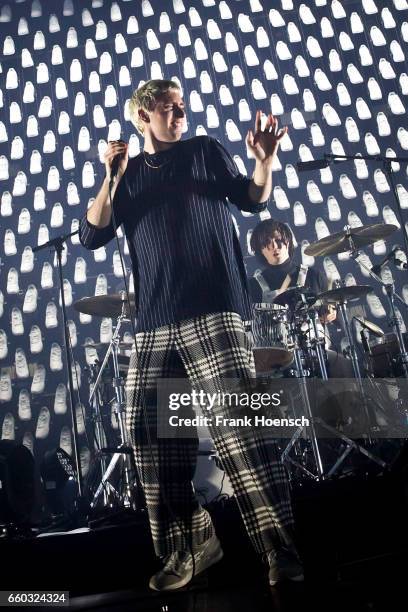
(185, 252)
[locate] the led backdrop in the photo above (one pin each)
(334, 72)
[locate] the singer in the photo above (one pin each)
(191, 296)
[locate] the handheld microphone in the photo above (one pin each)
(115, 162)
(314, 164)
(391, 255)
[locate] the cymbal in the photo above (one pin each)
(361, 236)
(294, 296)
(344, 294)
(105, 305)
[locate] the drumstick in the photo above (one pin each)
(285, 284)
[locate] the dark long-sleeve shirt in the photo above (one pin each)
(184, 249)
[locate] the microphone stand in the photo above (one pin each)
(58, 244)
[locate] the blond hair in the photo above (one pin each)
(145, 98)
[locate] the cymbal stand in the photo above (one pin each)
(318, 343)
(123, 452)
(393, 321)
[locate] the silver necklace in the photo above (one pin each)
(156, 167)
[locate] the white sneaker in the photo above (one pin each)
(268, 68)
(12, 282)
(42, 73)
(85, 460)
(15, 115)
(67, 293)
(371, 144)
(51, 320)
(194, 16)
(1, 303)
(80, 271)
(363, 110)
(314, 192)
(353, 135)
(292, 178)
(330, 114)
(65, 440)
(353, 219)
(381, 182)
(50, 143)
(9, 243)
(395, 104)
(282, 51)
(403, 196)
(32, 126)
(21, 364)
(8, 427)
(101, 287)
(75, 71)
(306, 15)
(79, 104)
(76, 375)
(105, 334)
(330, 269)
(334, 209)
(38, 383)
(280, 198)
(46, 276)
(68, 161)
(343, 95)
(289, 85)
(374, 89)
(244, 23)
(233, 133)
(99, 254)
(6, 203)
(91, 354)
(72, 330)
(24, 407)
(221, 66)
(244, 111)
(56, 56)
(30, 299)
(72, 194)
(105, 63)
(43, 424)
(3, 344)
(17, 148)
(307, 260)
(88, 176)
(361, 169)
(6, 392)
(22, 28)
(11, 79)
(377, 37)
(20, 184)
(345, 41)
(60, 399)
(55, 357)
(72, 38)
(94, 83)
(375, 306)
(314, 47)
(111, 98)
(35, 162)
(321, 80)
(183, 36)
(43, 234)
(354, 75)
(397, 52)
(137, 58)
(36, 343)
(386, 70)
(99, 116)
(276, 105)
(53, 180)
(53, 25)
(294, 35)
(346, 187)
(365, 262)
(87, 21)
(39, 41)
(390, 217)
(57, 215)
(299, 215)
(64, 123)
(17, 326)
(298, 121)
(321, 228)
(301, 67)
(80, 419)
(238, 78)
(366, 58)
(403, 82)
(124, 77)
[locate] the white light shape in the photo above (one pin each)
(224, 10)
(244, 24)
(299, 215)
(337, 10)
(314, 193)
(200, 50)
(280, 198)
(56, 56)
(233, 133)
(35, 162)
(292, 178)
(206, 85)
(32, 126)
(87, 20)
(298, 121)
(276, 105)
(380, 181)
(387, 18)
(346, 187)
(384, 128)
(231, 44)
(184, 39)
(15, 113)
(137, 59)
(269, 71)
(395, 104)
(282, 51)
(321, 228)
(330, 114)
(321, 80)
(345, 42)
(306, 15)
(356, 24)
(313, 47)
(212, 118)
(194, 17)
(49, 143)
(26, 59)
(53, 179)
(366, 58)
(317, 135)
(64, 123)
(333, 209)
(335, 64)
(238, 78)
(353, 135)
(397, 52)
(363, 110)
(301, 67)
(72, 38)
(276, 19)
(370, 204)
(132, 25)
(370, 7)
(29, 93)
(377, 37)
(105, 63)
(251, 58)
(262, 39)
(326, 28)
(354, 75)
(294, 35)
(309, 102)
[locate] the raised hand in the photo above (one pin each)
(264, 143)
(116, 147)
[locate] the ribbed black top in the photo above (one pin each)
(185, 252)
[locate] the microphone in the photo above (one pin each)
(314, 164)
(391, 255)
(115, 162)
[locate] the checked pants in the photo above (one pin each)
(207, 349)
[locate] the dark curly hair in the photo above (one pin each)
(263, 234)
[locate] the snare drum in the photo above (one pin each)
(270, 332)
(383, 357)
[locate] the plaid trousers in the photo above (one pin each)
(207, 349)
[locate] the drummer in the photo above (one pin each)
(272, 243)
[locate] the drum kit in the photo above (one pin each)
(289, 342)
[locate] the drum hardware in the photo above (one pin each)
(394, 321)
(272, 349)
(109, 306)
